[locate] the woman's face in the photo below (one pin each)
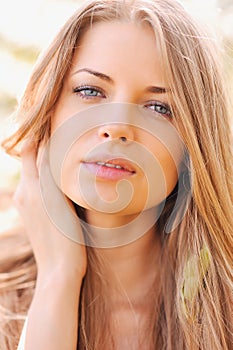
(116, 65)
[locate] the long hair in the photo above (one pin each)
(193, 304)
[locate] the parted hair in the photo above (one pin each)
(192, 307)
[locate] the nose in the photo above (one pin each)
(116, 131)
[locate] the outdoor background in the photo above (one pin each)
(26, 27)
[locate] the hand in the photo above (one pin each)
(54, 252)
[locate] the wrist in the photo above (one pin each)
(59, 277)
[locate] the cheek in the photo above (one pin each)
(168, 166)
(153, 184)
(58, 116)
(170, 172)
(69, 164)
(65, 109)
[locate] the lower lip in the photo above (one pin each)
(107, 173)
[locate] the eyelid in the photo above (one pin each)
(84, 86)
(87, 86)
(162, 104)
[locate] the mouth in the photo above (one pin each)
(114, 169)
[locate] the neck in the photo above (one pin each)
(132, 266)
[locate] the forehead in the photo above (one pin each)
(119, 46)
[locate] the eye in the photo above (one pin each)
(87, 92)
(159, 107)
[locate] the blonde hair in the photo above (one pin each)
(194, 307)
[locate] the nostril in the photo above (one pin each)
(123, 138)
(106, 134)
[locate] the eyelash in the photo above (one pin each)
(78, 90)
(156, 104)
(160, 105)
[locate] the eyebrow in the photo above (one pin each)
(96, 74)
(151, 89)
(157, 90)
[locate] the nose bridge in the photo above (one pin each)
(120, 125)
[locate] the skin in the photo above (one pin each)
(115, 48)
(118, 50)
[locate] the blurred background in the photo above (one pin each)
(28, 26)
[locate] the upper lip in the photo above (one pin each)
(124, 163)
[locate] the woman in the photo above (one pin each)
(129, 94)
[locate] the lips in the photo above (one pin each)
(117, 164)
(113, 169)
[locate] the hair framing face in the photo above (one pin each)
(201, 111)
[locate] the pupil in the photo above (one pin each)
(161, 109)
(90, 92)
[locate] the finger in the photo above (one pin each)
(28, 155)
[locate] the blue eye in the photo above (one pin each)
(161, 108)
(88, 92)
